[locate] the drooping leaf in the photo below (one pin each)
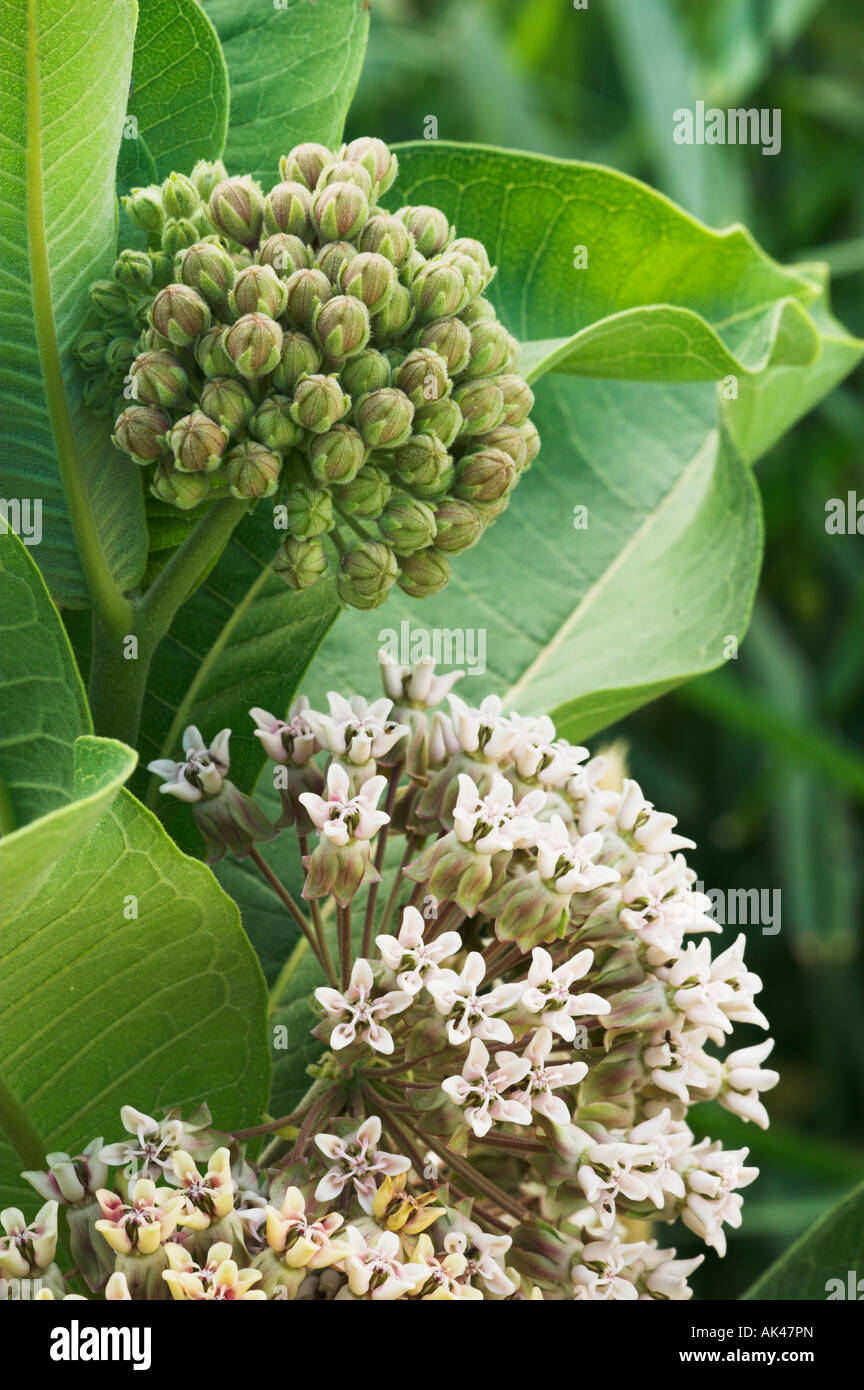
(179, 94)
(63, 116)
(832, 1248)
(128, 980)
(293, 70)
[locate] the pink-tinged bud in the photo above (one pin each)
(273, 425)
(442, 418)
(428, 226)
(227, 401)
(451, 339)
(485, 476)
(491, 347)
(158, 379)
(384, 418)
(254, 344)
(299, 357)
(305, 164)
(236, 208)
(518, 398)
(468, 269)
(423, 464)
(301, 563)
(341, 326)
(339, 211)
(180, 314)
(424, 573)
(306, 291)
(370, 278)
(140, 432)
(368, 371)
(252, 470)
(375, 157)
(509, 440)
(388, 236)
(460, 525)
(285, 254)
(438, 290)
(198, 443)
(183, 490)
(336, 456)
(288, 208)
(342, 171)
(397, 315)
(258, 290)
(211, 356)
(319, 402)
(331, 258)
(642, 1008)
(423, 377)
(481, 403)
(207, 268)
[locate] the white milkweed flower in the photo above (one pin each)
(608, 1269)
(287, 740)
(570, 863)
(483, 729)
(416, 684)
(413, 960)
(542, 1079)
(548, 992)
(494, 822)
(472, 1014)
(713, 1197)
(355, 730)
(662, 910)
(378, 1270)
(537, 752)
(653, 831)
(482, 1253)
(358, 1160)
(342, 817)
(361, 1013)
(203, 771)
(678, 1063)
(714, 994)
(744, 1078)
(484, 1092)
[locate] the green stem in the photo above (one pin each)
(19, 1131)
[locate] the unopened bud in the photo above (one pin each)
(332, 256)
(301, 563)
(424, 573)
(438, 290)
(384, 418)
(407, 524)
(397, 315)
(205, 176)
(90, 348)
(476, 251)
(288, 208)
(477, 311)
(468, 269)
(180, 314)
(423, 376)
(518, 398)
(370, 278)
(211, 356)
(343, 171)
(319, 402)
(424, 466)
(337, 456)
(481, 403)
(143, 207)
(529, 433)
(183, 490)
(299, 357)
(252, 470)
(180, 197)
(305, 163)
(306, 290)
(443, 418)
(451, 339)
(507, 438)
(285, 254)
(339, 211)
(367, 495)
(109, 298)
(376, 158)
(254, 344)
(227, 401)
(273, 425)
(207, 268)
(258, 290)
(236, 208)
(133, 269)
(367, 573)
(485, 476)
(341, 326)
(308, 511)
(428, 226)
(491, 347)
(158, 379)
(388, 236)
(460, 525)
(120, 352)
(140, 432)
(368, 371)
(198, 443)
(178, 234)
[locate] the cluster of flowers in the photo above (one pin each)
(526, 1010)
(307, 343)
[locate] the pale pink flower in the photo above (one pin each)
(287, 740)
(487, 1091)
(713, 1197)
(413, 960)
(416, 684)
(361, 1013)
(542, 1080)
(377, 1269)
(570, 863)
(743, 1079)
(355, 730)
(472, 1014)
(548, 992)
(342, 817)
(608, 1270)
(203, 771)
(653, 831)
(358, 1160)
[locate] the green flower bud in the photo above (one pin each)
(477, 311)
(396, 316)
(367, 371)
(481, 403)
(375, 157)
(365, 496)
(133, 269)
(178, 234)
(409, 268)
(451, 339)
(299, 358)
(319, 402)
(384, 418)
(388, 236)
(207, 268)
(342, 326)
(252, 470)
(407, 524)
(109, 298)
(120, 352)
(236, 208)
(211, 356)
(151, 341)
(183, 490)
(529, 433)
(438, 289)
(158, 379)
(490, 349)
(370, 278)
(308, 511)
(288, 208)
(332, 256)
(227, 401)
(254, 344)
(476, 251)
(198, 443)
(469, 270)
(180, 197)
(507, 438)
(337, 456)
(180, 314)
(518, 398)
(339, 211)
(140, 432)
(515, 356)
(272, 424)
(485, 476)
(205, 176)
(285, 253)
(343, 171)
(305, 163)
(423, 376)
(424, 573)
(428, 226)
(143, 207)
(163, 269)
(367, 573)
(422, 462)
(301, 563)
(460, 525)
(258, 290)
(443, 418)
(90, 348)
(100, 393)
(306, 290)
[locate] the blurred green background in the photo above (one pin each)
(762, 762)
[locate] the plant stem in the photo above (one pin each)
(285, 897)
(19, 1131)
(323, 952)
(345, 944)
(372, 897)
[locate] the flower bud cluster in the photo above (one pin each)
(302, 344)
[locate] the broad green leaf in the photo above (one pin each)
(662, 297)
(101, 767)
(44, 705)
(293, 72)
(243, 639)
(104, 1008)
(64, 106)
(832, 1248)
(179, 94)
